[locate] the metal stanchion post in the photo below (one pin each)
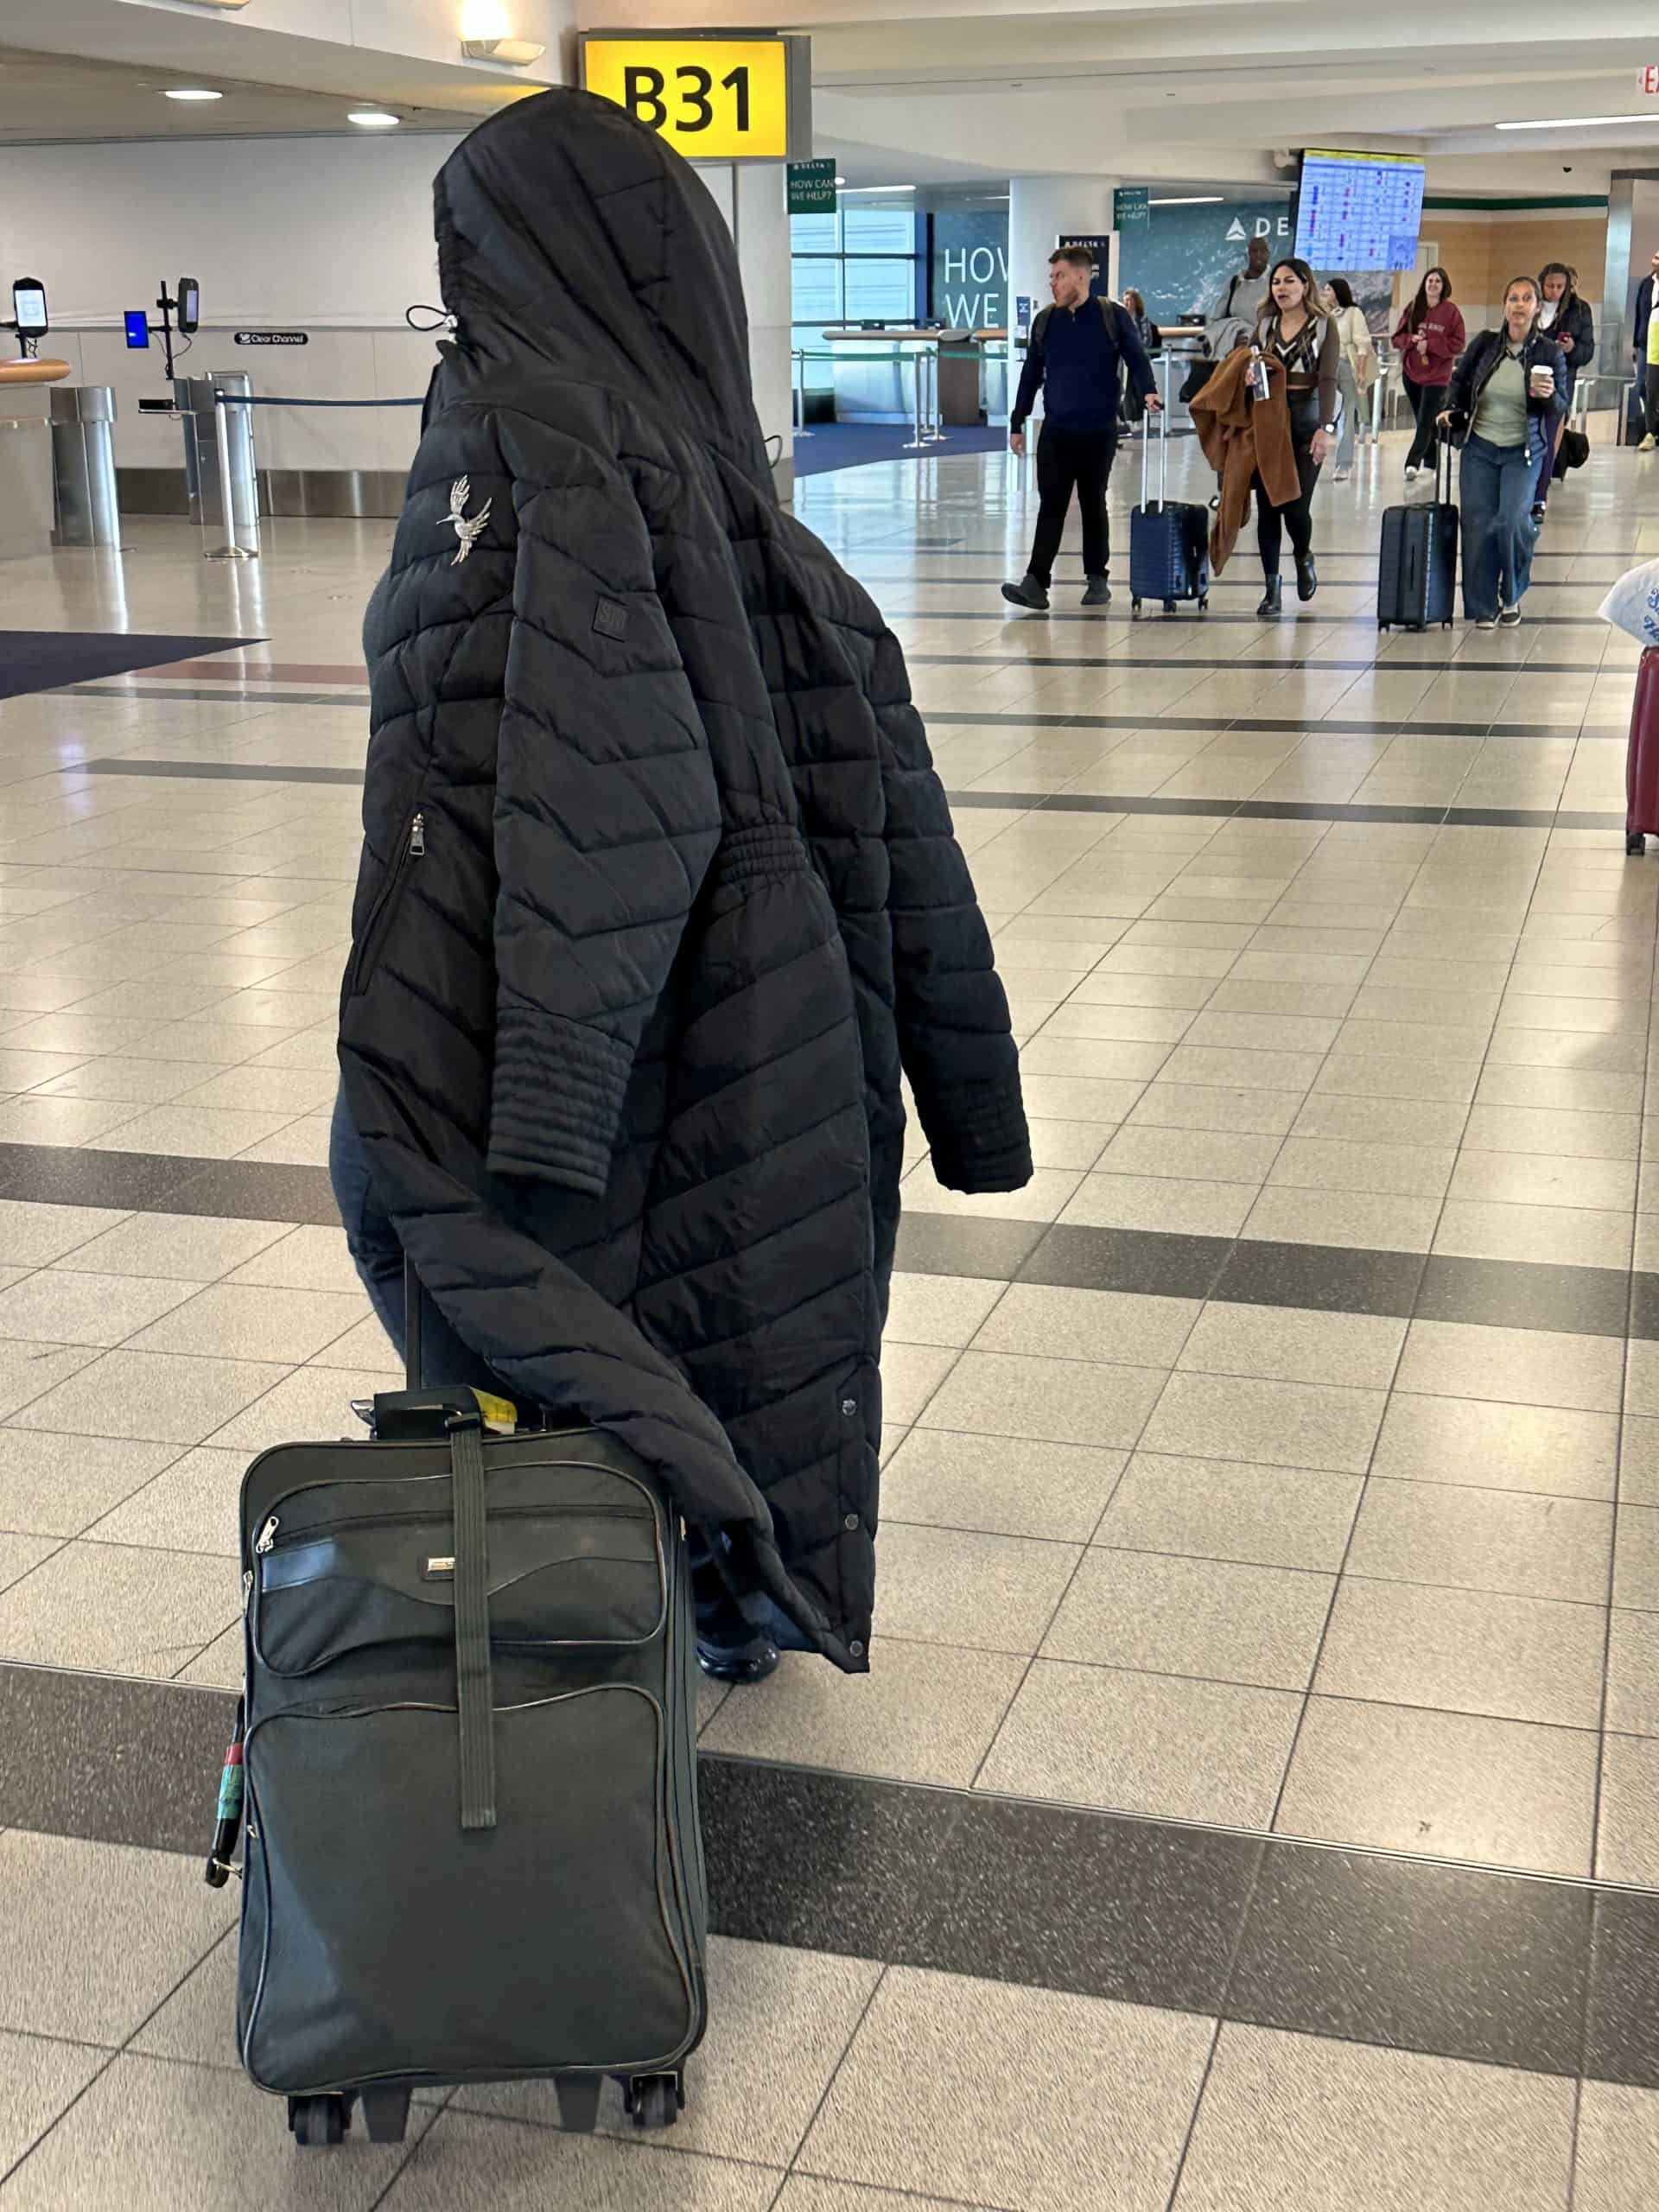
(917, 443)
(801, 431)
(232, 548)
(941, 435)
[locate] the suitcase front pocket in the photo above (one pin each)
(384, 1942)
(559, 1577)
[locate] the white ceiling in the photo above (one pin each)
(47, 98)
(927, 91)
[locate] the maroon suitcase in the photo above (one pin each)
(1641, 766)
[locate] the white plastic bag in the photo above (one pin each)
(1633, 604)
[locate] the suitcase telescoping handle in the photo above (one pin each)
(1163, 439)
(411, 1325)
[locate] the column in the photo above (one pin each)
(1039, 209)
(751, 197)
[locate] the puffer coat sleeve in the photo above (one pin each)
(606, 811)
(955, 1038)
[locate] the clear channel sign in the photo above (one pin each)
(713, 96)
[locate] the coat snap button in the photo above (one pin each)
(850, 1407)
(850, 1523)
(857, 1648)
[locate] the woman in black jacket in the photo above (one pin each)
(1132, 407)
(1506, 397)
(660, 899)
(1565, 319)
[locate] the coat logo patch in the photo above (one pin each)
(467, 531)
(611, 618)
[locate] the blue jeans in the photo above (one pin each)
(378, 1258)
(1496, 492)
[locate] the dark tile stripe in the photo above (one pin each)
(1390, 666)
(143, 1182)
(220, 694)
(1548, 1975)
(1254, 1271)
(1278, 725)
(226, 771)
(1503, 1293)
(1274, 810)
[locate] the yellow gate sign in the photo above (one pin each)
(714, 97)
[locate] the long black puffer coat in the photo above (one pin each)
(659, 887)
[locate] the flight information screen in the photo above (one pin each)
(1359, 211)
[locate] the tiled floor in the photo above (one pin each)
(1283, 1463)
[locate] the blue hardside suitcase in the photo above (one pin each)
(1169, 539)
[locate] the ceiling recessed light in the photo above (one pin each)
(1194, 200)
(1579, 122)
(190, 93)
(841, 180)
(373, 118)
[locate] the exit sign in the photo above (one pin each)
(713, 97)
(1649, 80)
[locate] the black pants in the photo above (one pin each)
(1297, 515)
(1650, 399)
(1068, 461)
(1427, 400)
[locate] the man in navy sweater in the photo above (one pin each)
(1074, 356)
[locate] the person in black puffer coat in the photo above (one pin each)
(659, 891)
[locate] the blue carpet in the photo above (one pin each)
(853, 445)
(41, 660)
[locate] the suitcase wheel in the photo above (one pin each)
(654, 2100)
(1636, 843)
(386, 2113)
(1135, 610)
(1169, 607)
(1204, 604)
(318, 2122)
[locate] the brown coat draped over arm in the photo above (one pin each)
(1241, 439)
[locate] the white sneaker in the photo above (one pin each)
(1648, 443)
(1509, 618)
(1411, 475)
(1343, 474)
(1487, 622)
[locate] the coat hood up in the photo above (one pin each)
(567, 230)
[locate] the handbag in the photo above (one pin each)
(1633, 604)
(1572, 453)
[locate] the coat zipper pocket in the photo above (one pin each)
(413, 848)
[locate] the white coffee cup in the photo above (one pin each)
(1543, 380)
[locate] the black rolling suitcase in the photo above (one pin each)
(1169, 539)
(466, 1757)
(1417, 571)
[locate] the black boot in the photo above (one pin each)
(1307, 576)
(1269, 610)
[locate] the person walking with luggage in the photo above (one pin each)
(1504, 402)
(1566, 320)
(1428, 339)
(1072, 358)
(1357, 369)
(1646, 384)
(1301, 337)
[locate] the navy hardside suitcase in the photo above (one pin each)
(1417, 570)
(466, 1758)
(1169, 539)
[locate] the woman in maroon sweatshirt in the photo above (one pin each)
(1429, 340)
